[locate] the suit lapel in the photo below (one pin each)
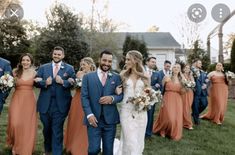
(61, 70)
(51, 70)
(97, 81)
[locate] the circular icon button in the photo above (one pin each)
(14, 11)
(219, 12)
(196, 13)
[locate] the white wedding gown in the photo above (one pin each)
(133, 123)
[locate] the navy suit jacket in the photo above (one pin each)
(198, 91)
(91, 92)
(5, 67)
(160, 78)
(155, 80)
(61, 93)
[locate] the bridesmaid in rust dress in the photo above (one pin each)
(22, 115)
(187, 99)
(218, 95)
(75, 138)
(169, 121)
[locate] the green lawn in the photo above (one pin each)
(206, 139)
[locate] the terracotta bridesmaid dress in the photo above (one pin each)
(22, 118)
(75, 138)
(169, 121)
(187, 99)
(218, 100)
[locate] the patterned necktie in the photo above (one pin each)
(103, 78)
(56, 69)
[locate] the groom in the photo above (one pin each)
(99, 104)
(54, 99)
(5, 67)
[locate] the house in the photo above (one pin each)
(161, 45)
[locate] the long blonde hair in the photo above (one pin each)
(89, 61)
(137, 59)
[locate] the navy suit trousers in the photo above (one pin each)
(104, 131)
(53, 122)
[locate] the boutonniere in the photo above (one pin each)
(61, 67)
(110, 74)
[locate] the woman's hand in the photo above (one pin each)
(118, 90)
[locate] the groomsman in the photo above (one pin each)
(200, 93)
(149, 68)
(5, 67)
(54, 99)
(163, 72)
(99, 104)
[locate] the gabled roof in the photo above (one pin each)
(152, 39)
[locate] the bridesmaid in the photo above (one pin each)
(218, 95)
(75, 138)
(187, 99)
(22, 115)
(170, 118)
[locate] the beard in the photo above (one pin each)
(105, 68)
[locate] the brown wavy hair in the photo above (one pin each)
(137, 59)
(19, 69)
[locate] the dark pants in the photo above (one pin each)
(199, 104)
(149, 127)
(53, 122)
(104, 131)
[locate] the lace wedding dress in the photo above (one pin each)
(133, 123)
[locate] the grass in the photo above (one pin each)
(206, 139)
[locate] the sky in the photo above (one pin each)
(140, 15)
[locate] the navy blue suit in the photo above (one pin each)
(5, 67)
(53, 105)
(107, 115)
(160, 78)
(200, 97)
(154, 81)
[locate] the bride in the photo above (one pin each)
(133, 123)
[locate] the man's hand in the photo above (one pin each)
(37, 79)
(157, 85)
(59, 80)
(93, 121)
(106, 100)
(49, 81)
(71, 81)
(118, 90)
(204, 86)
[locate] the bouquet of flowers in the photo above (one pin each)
(6, 82)
(230, 75)
(78, 83)
(188, 84)
(145, 99)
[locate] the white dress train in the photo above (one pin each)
(133, 123)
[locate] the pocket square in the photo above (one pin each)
(1, 69)
(113, 82)
(65, 74)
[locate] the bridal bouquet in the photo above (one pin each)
(145, 99)
(230, 75)
(6, 82)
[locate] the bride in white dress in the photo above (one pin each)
(133, 123)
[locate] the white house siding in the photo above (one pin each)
(162, 55)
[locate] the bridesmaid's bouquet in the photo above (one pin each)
(6, 82)
(230, 75)
(78, 83)
(188, 84)
(144, 100)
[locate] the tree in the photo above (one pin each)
(63, 29)
(133, 44)
(14, 40)
(233, 57)
(198, 53)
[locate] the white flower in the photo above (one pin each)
(110, 74)
(6, 82)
